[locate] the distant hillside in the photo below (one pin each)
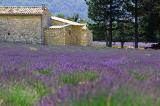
(67, 7)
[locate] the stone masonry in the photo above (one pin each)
(20, 29)
(23, 24)
(35, 25)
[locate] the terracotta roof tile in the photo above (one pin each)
(37, 10)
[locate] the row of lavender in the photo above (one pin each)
(135, 70)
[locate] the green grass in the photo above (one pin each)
(41, 89)
(126, 97)
(138, 75)
(77, 77)
(122, 97)
(99, 100)
(20, 95)
(44, 72)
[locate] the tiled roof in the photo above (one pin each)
(28, 10)
(66, 21)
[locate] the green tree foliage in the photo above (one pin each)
(146, 18)
(124, 33)
(124, 24)
(98, 32)
(60, 15)
(76, 18)
(134, 7)
(151, 20)
(104, 15)
(125, 20)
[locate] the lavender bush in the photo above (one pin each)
(78, 76)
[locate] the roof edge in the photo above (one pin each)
(20, 6)
(59, 26)
(66, 21)
(23, 10)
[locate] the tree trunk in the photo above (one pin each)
(122, 45)
(107, 43)
(110, 25)
(110, 33)
(136, 23)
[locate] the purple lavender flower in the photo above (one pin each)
(134, 69)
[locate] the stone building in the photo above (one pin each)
(31, 25)
(67, 32)
(23, 24)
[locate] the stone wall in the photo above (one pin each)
(61, 36)
(45, 19)
(68, 40)
(86, 38)
(70, 35)
(55, 36)
(55, 22)
(45, 24)
(76, 35)
(81, 36)
(21, 29)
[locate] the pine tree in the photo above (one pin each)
(134, 8)
(103, 14)
(151, 20)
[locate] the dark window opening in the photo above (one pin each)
(8, 33)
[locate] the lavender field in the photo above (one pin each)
(78, 76)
